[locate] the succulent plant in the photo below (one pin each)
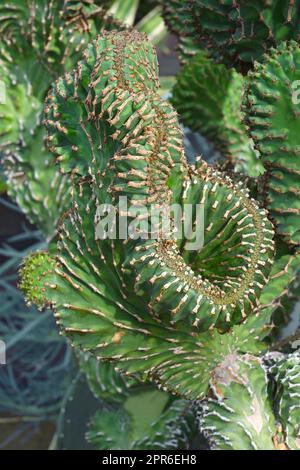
(156, 314)
(234, 32)
(286, 372)
(191, 316)
(39, 41)
(208, 98)
(274, 123)
(239, 415)
(149, 418)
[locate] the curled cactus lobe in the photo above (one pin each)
(285, 370)
(235, 32)
(239, 416)
(274, 122)
(129, 144)
(208, 98)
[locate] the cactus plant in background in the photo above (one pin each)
(274, 122)
(234, 32)
(208, 99)
(39, 41)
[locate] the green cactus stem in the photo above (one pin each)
(285, 370)
(273, 118)
(234, 32)
(208, 98)
(239, 414)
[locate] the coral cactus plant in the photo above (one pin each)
(234, 32)
(192, 321)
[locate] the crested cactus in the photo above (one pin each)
(208, 99)
(234, 32)
(274, 123)
(190, 315)
(192, 321)
(145, 128)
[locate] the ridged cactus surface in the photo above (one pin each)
(274, 124)
(39, 41)
(286, 372)
(239, 414)
(208, 98)
(235, 32)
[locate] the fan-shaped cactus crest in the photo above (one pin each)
(145, 304)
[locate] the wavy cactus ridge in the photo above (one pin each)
(234, 32)
(274, 123)
(143, 160)
(284, 274)
(285, 370)
(208, 98)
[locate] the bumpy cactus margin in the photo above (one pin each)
(208, 98)
(274, 124)
(286, 372)
(234, 32)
